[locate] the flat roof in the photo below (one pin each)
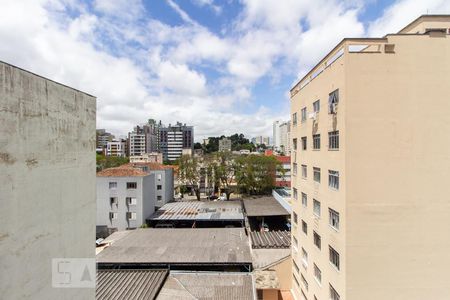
(129, 284)
(270, 239)
(265, 258)
(200, 211)
(179, 246)
(208, 285)
(264, 206)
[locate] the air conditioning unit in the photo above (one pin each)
(313, 116)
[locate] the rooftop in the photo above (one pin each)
(270, 239)
(264, 206)
(121, 172)
(205, 285)
(152, 166)
(179, 246)
(265, 258)
(129, 284)
(196, 210)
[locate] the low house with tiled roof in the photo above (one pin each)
(126, 196)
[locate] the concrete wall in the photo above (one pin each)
(165, 179)
(47, 190)
(144, 194)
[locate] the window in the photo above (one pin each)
(303, 114)
(303, 294)
(316, 141)
(295, 242)
(305, 283)
(333, 179)
(317, 274)
(316, 173)
(295, 194)
(296, 266)
(333, 294)
(304, 143)
(294, 144)
(131, 201)
(334, 257)
(295, 217)
(131, 215)
(131, 185)
(316, 208)
(317, 240)
(316, 106)
(159, 198)
(159, 187)
(296, 281)
(112, 215)
(334, 218)
(304, 172)
(159, 177)
(304, 200)
(304, 258)
(113, 185)
(294, 118)
(304, 227)
(113, 200)
(333, 140)
(333, 100)
(294, 167)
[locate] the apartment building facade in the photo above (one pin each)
(174, 139)
(370, 137)
(116, 148)
(224, 144)
(125, 198)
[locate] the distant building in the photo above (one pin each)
(153, 157)
(283, 180)
(116, 148)
(260, 140)
(284, 130)
(144, 138)
(173, 139)
(276, 135)
(125, 198)
(47, 191)
(102, 138)
(224, 144)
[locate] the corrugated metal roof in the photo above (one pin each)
(196, 210)
(129, 284)
(270, 239)
(264, 206)
(208, 286)
(180, 246)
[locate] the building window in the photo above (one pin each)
(333, 140)
(317, 274)
(296, 266)
(295, 193)
(304, 143)
(131, 185)
(112, 215)
(159, 198)
(333, 179)
(295, 217)
(317, 240)
(131, 215)
(334, 257)
(131, 201)
(304, 200)
(316, 106)
(294, 118)
(159, 187)
(304, 172)
(295, 242)
(113, 200)
(294, 144)
(304, 227)
(334, 218)
(294, 168)
(305, 283)
(113, 185)
(304, 258)
(316, 173)
(303, 294)
(316, 141)
(333, 100)
(333, 294)
(316, 208)
(296, 281)
(159, 177)
(303, 114)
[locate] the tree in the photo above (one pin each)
(104, 162)
(225, 171)
(255, 174)
(189, 173)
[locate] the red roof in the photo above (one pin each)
(283, 159)
(151, 165)
(121, 172)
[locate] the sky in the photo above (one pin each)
(222, 66)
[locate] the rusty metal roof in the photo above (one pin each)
(270, 239)
(129, 284)
(200, 211)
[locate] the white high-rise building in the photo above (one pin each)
(284, 129)
(276, 135)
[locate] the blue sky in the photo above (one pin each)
(222, 66)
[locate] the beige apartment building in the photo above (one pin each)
(370, 129)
